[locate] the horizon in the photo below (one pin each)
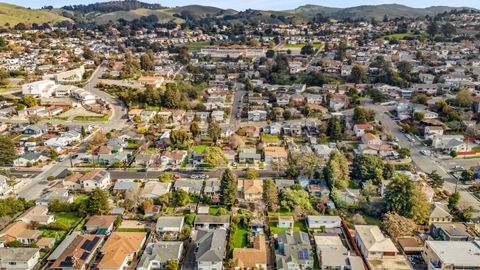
(255, 4)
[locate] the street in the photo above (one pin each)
(428, 164)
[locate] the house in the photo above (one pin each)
(29, 159)
(444, 255)
(275, 153)
(121, 248)
(429, 131)
(156, 255)
(371, 139)
(285, 222)
(100, 223)
(73, 181)
(37, 214)
(19, 258)
(372, 243)
(122, 186)
(154, 189)
(249, 156)
(169, 226)
(39, 89)
(21, 232)
(439, 214)
(338, 102)
(95, 179)
(361, 129)
(60, 194)
(190, 186)
(250, 258)
(327, 222)
(210, 221)
(252, 189)
(294, 251)
(426, 114)
(175, 157)
(427, 88)
(210, 249)
(452, 231)
(332, 254)
(212, 189)
(78, 253)
(257, 115)
(449, 143)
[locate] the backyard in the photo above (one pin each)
(298, 226)
(240, 237)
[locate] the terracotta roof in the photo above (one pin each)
(276, 152)
(370, 137)
(250, 257)
(101, 221)
(19, 229)
(252, 186)
(118, 246)
(364, 126)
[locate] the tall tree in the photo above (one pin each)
(334, 128)
(357, 75)
(8, 152)
(337, 172)
(436, 180)
(432, 28)
(270, 195)
(396, 225)
(214, 130)
(98, 202)
(228, 188)
(367, 167)
(146, 62)
(195, 129)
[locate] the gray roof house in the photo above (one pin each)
(123, 186)
(210, 248)
(156, 255)
(19, 258)
(294, 251)
(171, 226)
(154, 189)
(210, 221)
(190, 186)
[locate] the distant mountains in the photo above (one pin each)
(104, 12)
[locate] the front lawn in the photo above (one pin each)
(58, 235)
(271, 138)
(200, 148)
(282, 212)
(88, 118)
(297, 227)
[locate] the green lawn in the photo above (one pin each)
(299, 46)
(297, 227)
(240, 237)
(132, 145)
(54, 234)
(282, 212)
(67, 218)
(83, 118)
(398, 36)
(213, 210)
(200, 148)
(196, 46)
(271, 138)
(372, 220)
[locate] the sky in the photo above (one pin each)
(260, 4)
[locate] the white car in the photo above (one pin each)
(426, 152)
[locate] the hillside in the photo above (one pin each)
(164, 15)
(12, 15)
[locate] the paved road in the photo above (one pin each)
(37, 185)
(236, 106)
(425, 163)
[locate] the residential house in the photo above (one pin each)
(275, 153)
(189, 185)
(156, 255)
(19, 258)
(371, 139)
(452, 231)
(29, 159)
(252, 189)
(372, 243)
(327, 222)
(154, 189)
(121, 248)
(100, 223)
(210, 249)
(257, 115)
(430, 131)
(445, 255)
(249, 155)
(439, 214)
(250, 258)
(361, 129)
(211, 222)
(427, 88)
(175, 157)
(78, 253)
(286, 222)
(21, 232)
(38, 214)
(212, 189)
(332, 254)
(449, 143)
(94, 179)
(169, 226)
(338, 102)
(294, 251)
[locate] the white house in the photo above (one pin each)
(327, 222)
(372, 243)
(39, 88)
(19, 258)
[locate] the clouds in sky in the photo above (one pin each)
(260, 4)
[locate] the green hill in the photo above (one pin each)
(164, 15)
(12, 15)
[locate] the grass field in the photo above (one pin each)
(397, 36)
(196, 46)
(271, 138)
(240, 237)
(299, 46)
(54, 234)
(200, 149)
(67, 218)
(12, 15)
(297, 227)
(103, 118)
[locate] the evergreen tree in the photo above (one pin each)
(334, 128)
(270, 195)
(8, 151)
(228, 188)
(98, 202)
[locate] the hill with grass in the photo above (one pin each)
(11, 15)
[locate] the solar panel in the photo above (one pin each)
(84, 256)
(88, 245)
(303, 254)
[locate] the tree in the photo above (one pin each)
(448, 29)
(228, 188)
(214, 157)
(295, 198)
(307, 163)
(418, 116)
(357, 74)
(195, 129)
(172, 98)
(251, 173)
(279, 166)
(396, 225)
(406, 199)
(179, 138)
(307, 50)
(166, 177)
(270, 195)
(29, 101)
(236, 141)
(146, 62)
(453, 200)
(270, 54)
(362, 115)
(464, 98)
(468, 176)
(369, 189)
(214, 130)
(98, 202)
(432, 28)
(341, 51)
(8, 152)
(182, 198)
(436, 180)
(171, 265)
(366, 167)
(404, 152)
(83, 132)
(334, 128)
(337, 172)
